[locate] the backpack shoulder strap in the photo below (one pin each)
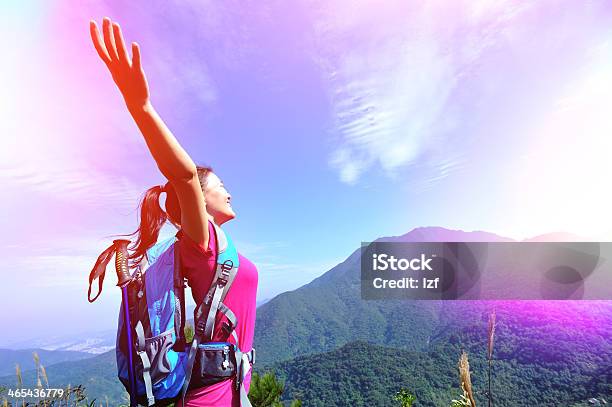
(179, 300)
(225, 271)
(227, 263)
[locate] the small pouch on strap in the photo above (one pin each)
(215, 362)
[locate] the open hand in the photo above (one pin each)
(127, 72)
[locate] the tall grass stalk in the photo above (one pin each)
(464, 376)
(19, 379)
(68, 394)
(43, 372)
(37, 363)
(490, 353)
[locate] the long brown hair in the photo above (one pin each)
(153, 217)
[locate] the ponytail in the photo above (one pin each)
(153, 217)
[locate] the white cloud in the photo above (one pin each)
(392, 70)
(275, 278)
(77, 185)
(562, 183)
(276, 274)
(59, 270)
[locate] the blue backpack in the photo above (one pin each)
(155, 363)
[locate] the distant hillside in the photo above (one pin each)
(363, 374)
(98, 374)
(24, 358)
(93, 343)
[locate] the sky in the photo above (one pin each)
(329, 122)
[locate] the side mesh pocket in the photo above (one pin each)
(157, 349)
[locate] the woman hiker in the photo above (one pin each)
(196, 198)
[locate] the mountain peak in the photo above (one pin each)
(441, 234)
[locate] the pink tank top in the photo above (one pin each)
(199, 268)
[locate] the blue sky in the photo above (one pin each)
(330, 123)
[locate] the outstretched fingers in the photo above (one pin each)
(97, 41)
(121, 52)
(109, 40)
(136, 56)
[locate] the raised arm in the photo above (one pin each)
(172, 160)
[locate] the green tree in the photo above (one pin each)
(266, 390)
(404, 397)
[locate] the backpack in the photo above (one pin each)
(154, 362)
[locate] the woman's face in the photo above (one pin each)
(218, 200)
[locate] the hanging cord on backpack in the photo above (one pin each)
(119, 249)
